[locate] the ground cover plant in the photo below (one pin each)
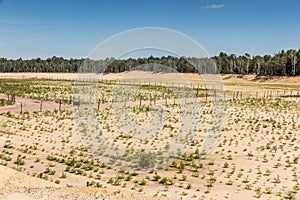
(257, 155)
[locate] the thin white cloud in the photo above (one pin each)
(214, 6)
(4, 21)
(4, 31)
(46, 30)
(99, 33)
(11, 21)
(102, 33)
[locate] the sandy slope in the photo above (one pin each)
(148, 75)
(18, 186)
(262, 79)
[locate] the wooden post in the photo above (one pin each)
(59, 106)
(140, 101)
(21, 108)
(41, 106)
(98, 104)
(215, 92)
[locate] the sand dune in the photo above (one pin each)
(149, 75)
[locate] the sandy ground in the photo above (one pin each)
(31, 105)
(233, 78)
(275, 129)
(17, 186)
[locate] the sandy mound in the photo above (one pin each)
(149, 75)
(18, 186)
(234, 78)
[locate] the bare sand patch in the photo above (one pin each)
(234, 78)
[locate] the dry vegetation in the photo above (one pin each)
(257, 155)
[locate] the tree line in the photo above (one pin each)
(283, 63)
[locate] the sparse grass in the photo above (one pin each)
(259, 142)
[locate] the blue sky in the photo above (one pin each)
(72, 28)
